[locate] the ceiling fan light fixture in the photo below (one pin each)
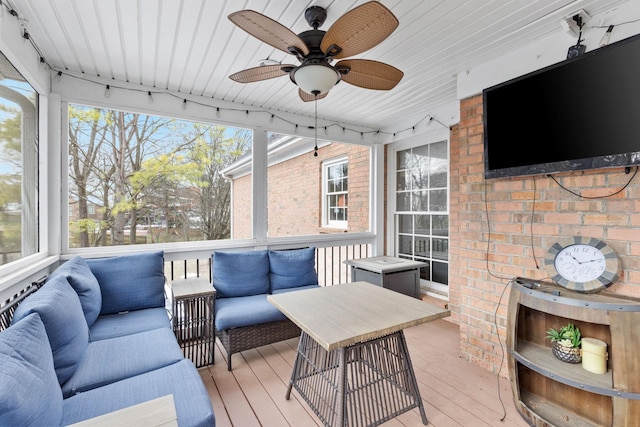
(315, 78)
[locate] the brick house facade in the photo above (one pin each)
(480, 267)
(295, 189)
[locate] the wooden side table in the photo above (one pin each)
(193, 311)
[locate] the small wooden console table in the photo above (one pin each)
(352, 366)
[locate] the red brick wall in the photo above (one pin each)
(241, 208)
(295, 190)
(475, 292)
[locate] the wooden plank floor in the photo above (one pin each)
(454, 391)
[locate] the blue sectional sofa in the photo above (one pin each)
(244, 319)
(94, 339)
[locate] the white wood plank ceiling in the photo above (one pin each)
(190, 46)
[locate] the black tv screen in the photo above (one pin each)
(583, 113)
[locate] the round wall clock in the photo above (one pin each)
(582, 264)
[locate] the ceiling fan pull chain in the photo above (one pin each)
(315, 125)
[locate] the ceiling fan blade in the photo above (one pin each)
(257, 74)
(359, 29)
(269, 31)
(307, 97)
(370, 74)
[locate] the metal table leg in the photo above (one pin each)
(365, 384)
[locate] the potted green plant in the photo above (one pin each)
(565, 343)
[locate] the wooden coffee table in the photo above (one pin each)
(352, 366)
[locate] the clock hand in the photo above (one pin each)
(575, 259)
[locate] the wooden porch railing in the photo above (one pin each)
(329, 264)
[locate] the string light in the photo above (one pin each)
(25, 34)
(272, 116)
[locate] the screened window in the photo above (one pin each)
(296, 188)
(135, 178)
(18, 165)
(422, 216)
(336, 193)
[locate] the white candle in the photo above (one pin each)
(594, 355)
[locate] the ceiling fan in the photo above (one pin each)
(355, 32)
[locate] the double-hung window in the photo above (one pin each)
(335, 189)
(422, 211)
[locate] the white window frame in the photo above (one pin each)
(326, 222)
(431, 288)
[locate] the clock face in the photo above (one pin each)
(582, 264)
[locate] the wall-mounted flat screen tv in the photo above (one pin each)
(582, 113)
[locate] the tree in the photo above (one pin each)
(87, 135)
(146, 170)
(10, 179)
(216, 149)
(105, 148)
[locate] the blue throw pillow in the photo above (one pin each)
(130, 282)
(82, 280)
(240, 274)
(60, 310)
(292, 269)
(29, 391)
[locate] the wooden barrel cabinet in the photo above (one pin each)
(549, 392)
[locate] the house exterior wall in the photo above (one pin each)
(241, 208)
(518, 244)
(295, 194)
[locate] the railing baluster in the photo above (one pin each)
(330, 264)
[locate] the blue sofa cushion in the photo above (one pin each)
(59, 308)
(240, 274)
(29, 390)
(192, 402)
(130, 282)
(131, 322)
(85, 284)
(292, 268)
(245, 311)
(110, 360)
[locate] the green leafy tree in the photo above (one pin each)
(215, 149)
(146, 170)
(105, 148)
(10, 178)
(87, 165)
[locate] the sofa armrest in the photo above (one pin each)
(169, 298)
(155, 412)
